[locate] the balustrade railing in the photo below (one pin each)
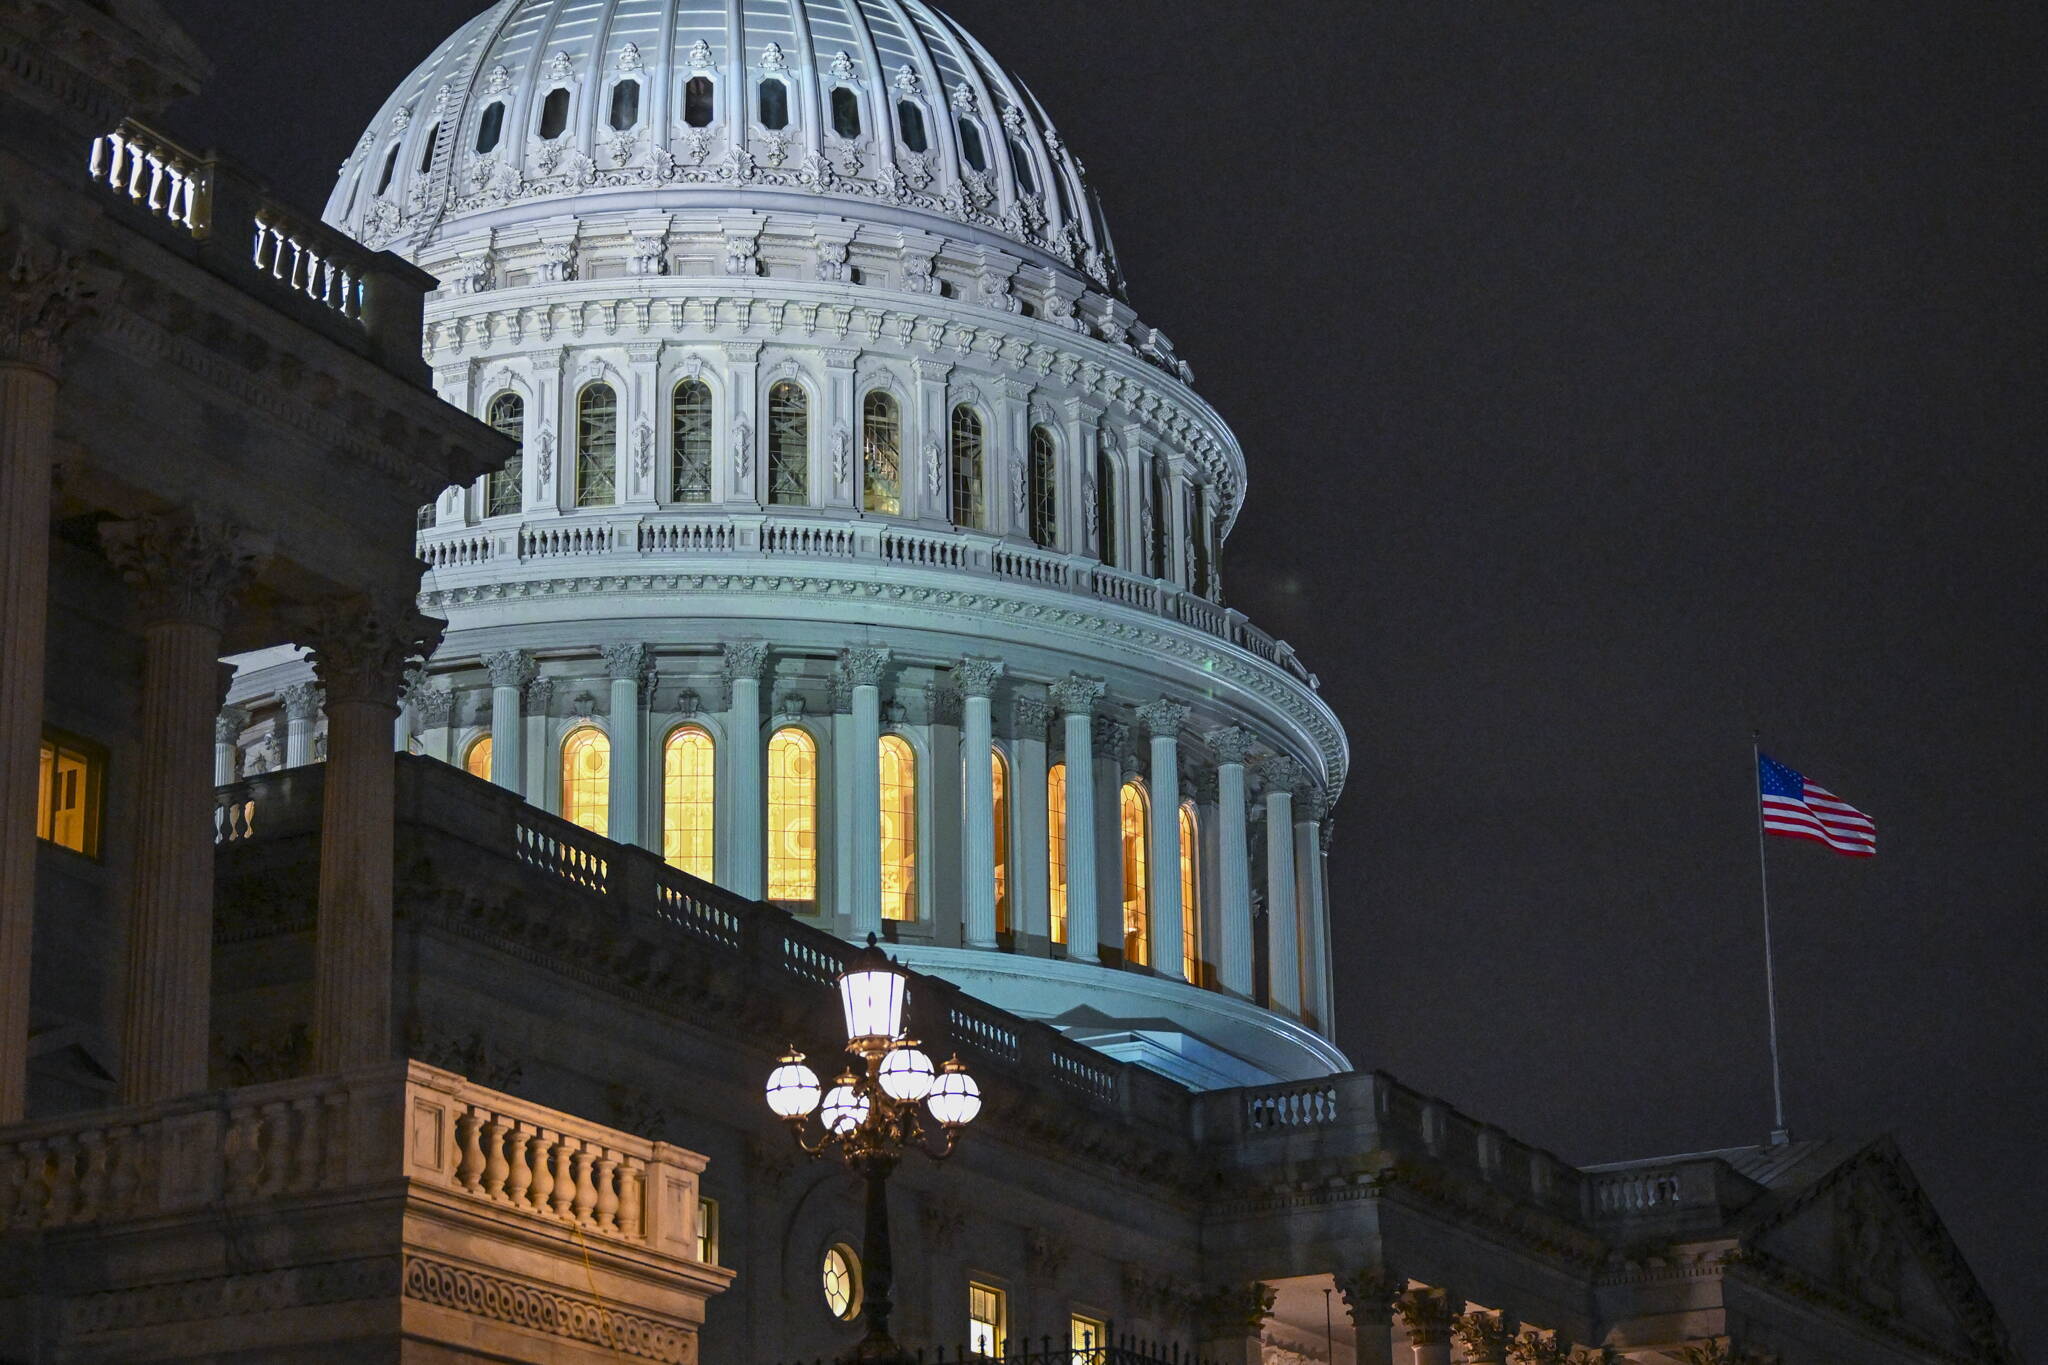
(1301, 1106)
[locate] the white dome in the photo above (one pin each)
(886, 107)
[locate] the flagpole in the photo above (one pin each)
(1780, 1134)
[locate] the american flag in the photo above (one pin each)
(1797, 809)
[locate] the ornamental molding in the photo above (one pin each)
(1032, 718)
(572, 1317)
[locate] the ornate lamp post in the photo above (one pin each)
(894, 1101)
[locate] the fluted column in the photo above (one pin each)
(1076, 699)
(977, 679)
(435, 708)
(1162, 720)
(511, 670)
(1283, 922)
(863, 666)
(1032, 877)
(627, 665)
(301, 703)
(743, 664)
(360, 649)
(227, 735)
(1369, 1295)
(1233, 862)
(1427, 1314)
(186, 572)
(539, 697)
(43, 300)
(1308, 869)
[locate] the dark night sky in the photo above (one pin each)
(1614, 377)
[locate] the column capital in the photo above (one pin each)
(1484, 1337)
(1032, 717)
(1280, 773)
(978, 676)
(745, 659)
(1112, 737)
(1231, 744)
(1310, 805)
(1539, 1348)
(510, 668)
(864, 665)
(229, 724)
(301, 701)
(48, 295)
(1076, 695)
(1427, 1314)
(1163, 718)
(942, 704)
(1229, 1311)
(433, 706)
(540, 695)
(1370, 1295)
(184, 567)
(626, 663)
(361, 645)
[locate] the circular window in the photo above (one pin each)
(842, 1282)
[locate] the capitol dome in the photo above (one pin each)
(864, 551)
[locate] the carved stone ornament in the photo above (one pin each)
(907, 82)
(1539, 1348)
(301, 701)
(1076, 695)
(1163, 718)
(978, 677)
(864, 665)
(1426, 1313)
(1046, 1253)
(745, 659)
(643, 450)
(433, 706)
(1231, 744)
(45, 297)
(540, 695)
(1370, 1295)
(184, 568)
(934, 470)
(629, 57)
(510, 668)
(547, 456)
(1032, 718)
(229, 724)
(625, 663)
(742, 452)
(1233, 1311)
(1483, 1337)
(560, 67)
(842, 456)
(943, 705)
(361, 646)
(700, 57)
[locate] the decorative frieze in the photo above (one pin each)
(573, 1317)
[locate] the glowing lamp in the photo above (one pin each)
(907, 1075)
(871, 992)
(956, 1099)
(845, 1108)
(792, 1087)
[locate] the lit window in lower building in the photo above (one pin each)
(707, 1231)
(1089, 1339)
(899, 828)
(689, 787)
(68, 795)
(587, 779)
(999, 780)
(793, 818)
(1137, 888)
(842, 1282)
(988, 1313)
(1056, 847)
(476, 760)
(1190, 895)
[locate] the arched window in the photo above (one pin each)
(490, 127)
(969, 497)
(1105, 506)
(390, 169)
(554, 114)
(999, 783)
(789, 445)
(1020, 162)
(587, 779)
(1045, 489)
(899, 828)
(597, 447)
(793, 818)
(1137, 870)
(625, 105)
(1190, 895)
(774, 105)
(691, 480)
(970, 146)
(476, 759)
(1056, 847)
(700, 104)
(910, 121)
(427, 150)
(881, 454)
(845, 112)
(504, 492)
(689, 790)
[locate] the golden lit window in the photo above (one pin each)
(476, 760)
(1088, 1339)
(1190, 895)
(1056, 847)
(999, 780)
(1137, 891)
(793, 817)
(71, 775)
(842, 1282)
(988, 1319)
(587, 779)
(707, 1231)
(899, 828)
(688, 801)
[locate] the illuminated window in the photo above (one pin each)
(1088, 1338)
(71, 774)
(692, 477)
(554, 114)
(587, 779)
(597, 446)
(688, 801)
(507, 416)
(999, 783)
(899, 829)
(1105, 506)
(1045, 489)
(707, 1231)
(988, 1319)
(476, 760)
(969, 503)
(789, 444)
(1190, 895)
(1137, 893)
(699, 102)
(845, 112)
(1056, 847)
(881, 454)
(793, 818)
(842, 1282)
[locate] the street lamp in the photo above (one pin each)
(894, 1100)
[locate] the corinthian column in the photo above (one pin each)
(1032, 897)
(1427, 1314)
(1076, 698)
(227, 735)
(510, 672)
(1315, 945)
(627, 665)
(1162, 720)
(863, 666)
(977, 679)
(360, 650)
(1370, 1295)
(186, 572)
(1233, 862)
(748, 864)
(301, 716)
(42, 300)
(1283, 915)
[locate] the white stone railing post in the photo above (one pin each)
(863, 666)
(746, 870)
(1234, 883)
(977, 682)
(1076, 698)
(1162, 720)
